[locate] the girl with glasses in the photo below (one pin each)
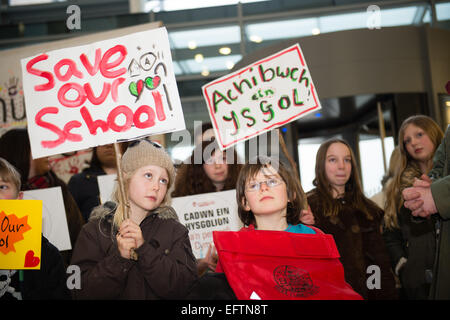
(269, 197)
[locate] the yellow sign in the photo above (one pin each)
(20, 234)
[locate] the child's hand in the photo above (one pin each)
(209, 261)
(125, 245)
(211, 258)
(307, 217)
(130, 230)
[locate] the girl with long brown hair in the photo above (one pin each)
(207, 170)
(411, 242)
(341, 209)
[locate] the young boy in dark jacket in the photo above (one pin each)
(47, 283)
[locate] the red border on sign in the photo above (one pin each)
(294, 48)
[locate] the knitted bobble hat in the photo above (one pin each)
(141, 153)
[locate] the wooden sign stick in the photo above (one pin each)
(293, 165)
(123, 195)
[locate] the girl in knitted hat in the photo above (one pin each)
(147, 255)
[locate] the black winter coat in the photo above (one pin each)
(360, 245)
(415, 241)
(165, 269)
(48, 283)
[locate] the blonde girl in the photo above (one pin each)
(147, 255)
(411, 242)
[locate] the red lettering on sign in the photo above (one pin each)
(72, 70)
(150, 122)
(44, 74)
(113, 115)
(97, 100)
(51, 127)
(92, 70)
(159, 106)
(105, 65)
(115, 85)
(91, 124)
(63, 135)
(71, 103)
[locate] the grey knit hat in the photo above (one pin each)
(143, 152)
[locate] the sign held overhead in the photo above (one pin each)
(260, 97)
(100, 93)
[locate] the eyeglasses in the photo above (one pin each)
(136, 142)
(255, 185)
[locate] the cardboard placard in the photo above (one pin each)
(106, 185)
(99, 93)
(260, 97)
(204, 213)
(20, 234)
(54, 220)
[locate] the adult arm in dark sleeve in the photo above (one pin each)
(394, 242)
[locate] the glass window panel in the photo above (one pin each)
(30, 2)
(427, 17)
(211, 64)
(174, 5)
(443, 11)
(340, 22)
(281, 29)
(372, 167)
(307, 164)
(397, 17)
(176, 68)
(205, 37)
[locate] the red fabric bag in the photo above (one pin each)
(279, 265)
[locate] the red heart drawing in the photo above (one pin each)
(140, 85)
(156, 81)
(30, 260)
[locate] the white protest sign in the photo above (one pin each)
(262, 96)
(54, 221)
(99, 93)
(106, 185)
(204, 213)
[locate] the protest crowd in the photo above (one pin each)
(269, 197)
(216, 225)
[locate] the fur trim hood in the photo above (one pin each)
(408, 175)
(106, 211)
